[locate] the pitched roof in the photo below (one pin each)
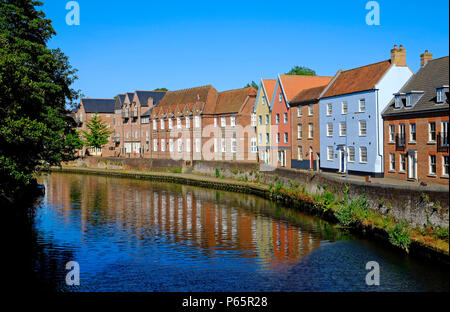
(434, 74)
(358, 79)
(293, 84)
(119, 101)
(98, 105)
(307, 95)
(143, 96)
(231, 101)
(186, 96)
(269, 87)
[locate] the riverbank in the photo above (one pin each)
(352, 214)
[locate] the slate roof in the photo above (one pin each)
(358, 79)
(119, 101)
(98, 105)
(143, 96)
(434, 74)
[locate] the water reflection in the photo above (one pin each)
(134, 235)
(214, 222)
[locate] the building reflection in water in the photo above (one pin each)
(213, 222)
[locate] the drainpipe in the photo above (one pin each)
(378, 134)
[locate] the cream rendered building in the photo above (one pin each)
(262, 119)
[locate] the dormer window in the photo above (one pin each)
(412, 97)
(440, 95)
(408, 100)
(398, 100)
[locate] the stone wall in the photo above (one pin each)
(418, 205)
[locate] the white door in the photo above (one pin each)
(412, 166)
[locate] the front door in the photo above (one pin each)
(341, 160)
(311, 157)
(283, 158)
(412, 166)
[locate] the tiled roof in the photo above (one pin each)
(269, 87)
(293, 84)
(187, 96)
(358, 79)
(130, 96)
(143, 97)
(98, 105)
(307, 95)
(434, 74)
(119, 101)
(231, 101)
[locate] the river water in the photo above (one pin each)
(135, 235)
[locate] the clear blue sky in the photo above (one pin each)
(143, 44)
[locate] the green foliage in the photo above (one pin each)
(98, 132)
(399, 235)
(217, 173)
(175, 170)
(252, 84)
(441, 233)
(352, 211)
(302, 71)
(36, 130)
(161, 89)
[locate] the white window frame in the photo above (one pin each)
(188, 145)
(310, 131)
(163, 145)
(155, 124)
(361, 155)
(223, 121)
(286, 137)
(444, 166)
(197, 121)
(299, 131)
(277, 119)
(330, 153)
(430, 167)
(391, 133)
(402, 163)
(310, 110)
(233, 145)
(299, 111)
(223, 145)
(329, 109)
(198, 146)
(155, 145)
(391, 162)
(430, 139)
(362, 105)
(170, 124)
(342, 129)
(170, 145)
(180, 145)
(233, 121)
(329, 129)
(344, 107)
(278, 136)
(267, 138)
(162, 124)
(267, 119)
(362, 130)
(411, 126)
(351, 154)
(285, 118)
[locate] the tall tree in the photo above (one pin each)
(98, 134)
(161, 89)
(252, 84)
(301, 71)
(35, 128)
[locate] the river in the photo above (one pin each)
(136, 235)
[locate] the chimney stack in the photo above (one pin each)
(398, 56)
(425, 58)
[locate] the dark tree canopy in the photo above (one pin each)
(161, 89)
(301, 70)
(35, 128)
(252, 84)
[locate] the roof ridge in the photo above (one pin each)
(193, 88)
(236, 89)
(367, 65)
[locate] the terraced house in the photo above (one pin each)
(227, 130)
(416, 125)
(86, 110)
(134, 105)
(286, 88)
(176, 123)
(262, 120)
(305, 128)
(351, 126)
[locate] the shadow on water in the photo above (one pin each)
(133, 235)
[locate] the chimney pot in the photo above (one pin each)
(425, 58)
(398, 56)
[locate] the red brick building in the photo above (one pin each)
(416, 125)
(305, 128)
(286, 88)
(103, 108)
